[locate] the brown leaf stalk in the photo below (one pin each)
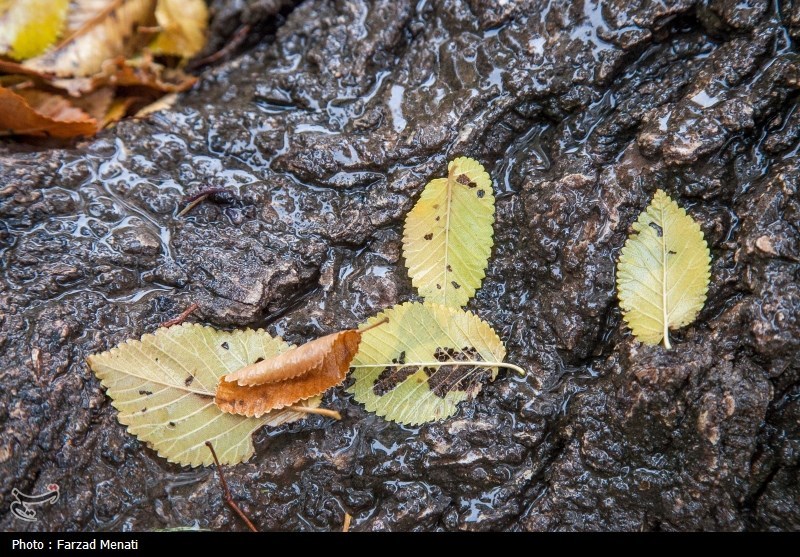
(227, 492)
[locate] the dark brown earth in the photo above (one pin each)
(324, 136)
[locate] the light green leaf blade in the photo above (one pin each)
(448, 234)
(29, 27)
(405, 371)
(663, 271)
(163, 387)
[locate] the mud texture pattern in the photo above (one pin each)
(323, 136)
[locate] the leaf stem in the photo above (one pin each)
(196, 199)
(321, 411)
(182, 317)
(381, 322)
(480, 363)
(227, 492)
(665, 313)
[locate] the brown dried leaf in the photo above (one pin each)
(109, 34)
(33, 112)
(96, 104)
(142, 73)
(297, 374)
(333, 349)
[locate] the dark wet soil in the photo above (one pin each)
(323, 138)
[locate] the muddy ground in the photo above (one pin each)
(324, 134)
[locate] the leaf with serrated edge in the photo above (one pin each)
(164, 384)
(663, 271)
(386, 381)
(29, 27)
(448, 234)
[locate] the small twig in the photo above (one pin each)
(182, 317)
(195, 200)
(381, 322)
(235, 42)
(347, 519)
(227, 492)
(321, 411)
(102, 14)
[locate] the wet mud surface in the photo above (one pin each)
(323, 138)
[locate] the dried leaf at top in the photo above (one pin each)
(141, 73)
(163, 386)
(110, 34)
(29, 27)
(663, 271)
(428, 358)
(36, 113)
(183, 27)
(448, 234)
(305, 371)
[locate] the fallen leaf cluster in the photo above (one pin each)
(70, 68)
(412, 363)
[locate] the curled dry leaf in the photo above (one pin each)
(36, 113)
(163, 386)
(96, 104)
(103, 36)
(142, 73)
(102, 49)
(29, 27)
(308, 370)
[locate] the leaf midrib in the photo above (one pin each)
(449, 191)
(664, 308)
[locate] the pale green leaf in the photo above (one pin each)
(663, 271)
(164, 384)
(29, 27)
(448, 234)
(426, 359)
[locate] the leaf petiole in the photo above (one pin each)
(321, 411)
(376, 324)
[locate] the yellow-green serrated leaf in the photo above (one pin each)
(183, 27)
(29, 27)
(663, 271)
(163, 386)
(426, 359)
(448, 234)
